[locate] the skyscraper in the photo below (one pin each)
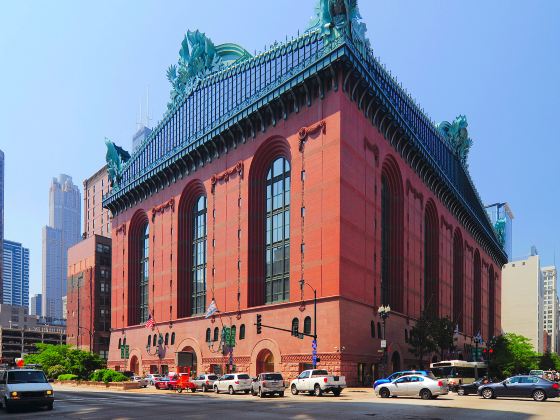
(36, 301)
(97, 220)
(550, 312)
(16, 274)
(62, 232)
(1, 219)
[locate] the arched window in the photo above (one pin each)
(277, 242)
(166, 339)
(198, 260)
(154, 340)
(120, 343)
(242, 332)
(307, 325)
(477, 295)
(372, 327)
(392, 236)
(233, 333)
(431, 260)
(216, 334)
(379, 335)
(406, 335)
(295, 326)
(208, 335)
(124, 341)
(149, 340)
(491, 302)
(458, 282)
(144, 262)
(172, 338)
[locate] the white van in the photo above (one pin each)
(27, 386)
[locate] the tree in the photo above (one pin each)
(420, 339)
(549, 361)
(63, 359)
(442, 332)
(513, 354)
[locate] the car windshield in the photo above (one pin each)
(26, 377)
(212, 377)
(272, 377)
(320, 373)
(244, 376)
(430, 374)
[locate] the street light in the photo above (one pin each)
(384, 312)
(302, 284)
(477, 340)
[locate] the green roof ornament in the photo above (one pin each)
(116, 158)
(335, 17)
(500, 228)
(457, 136)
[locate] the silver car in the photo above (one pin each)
(233, 383)
(205, 382)
(142, 381)
(152, 378)
(268, 384)
(413, 385)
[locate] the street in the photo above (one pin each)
(353, 404)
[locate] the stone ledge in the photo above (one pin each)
(124, 386)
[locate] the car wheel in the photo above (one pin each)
(425, 394)
(9, 408)
(246, 391)
(50, 406)
(152, 383)
(336, 392)
(253, 392)
(317, 390)
(231, 391)
(216, 390)
(461, 392)
(384, 393)
(179, 390)
(193, 389)
(204, 388)
(294, 390)
(539, 395)
(281, 394)
(487, 393)
(260, 393)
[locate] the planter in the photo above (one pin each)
(123, 386)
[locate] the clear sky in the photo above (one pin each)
(74, 72)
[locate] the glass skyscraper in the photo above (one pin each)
(62, 232)
(1, 220)
(501, 217)
(16, 274)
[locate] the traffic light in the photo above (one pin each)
(259, 323)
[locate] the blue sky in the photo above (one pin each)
(72, 73)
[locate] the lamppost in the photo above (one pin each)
(383, 312)
(302, 284)
(90, 337)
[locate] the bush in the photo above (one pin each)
(55, 371)
(108, 375)
(67, 377)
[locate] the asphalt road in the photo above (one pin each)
(85, 404)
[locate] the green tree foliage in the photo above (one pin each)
(420, 339)
(108, 375)
(67, 377)
(549, 361)
(442, 332)
(513, 354)
(63, 359)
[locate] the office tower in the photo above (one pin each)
(97, 220)
(62, 232)
(15, 274)
(1, 218)
(35, 307)
(550, 307)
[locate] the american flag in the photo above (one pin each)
(150, 322)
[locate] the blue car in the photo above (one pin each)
(396, 375)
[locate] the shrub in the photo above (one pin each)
(108, 375)
(67, 377)
(55, 371)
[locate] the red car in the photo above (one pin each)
(176, 381)
(162, 383)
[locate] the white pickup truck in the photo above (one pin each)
(317, 381)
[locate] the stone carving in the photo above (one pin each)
(500, 228)
(339, 16)
(224, 176)
(456, 134)
(170, 204)
(194, 64)
(116, 157)
(305, 132)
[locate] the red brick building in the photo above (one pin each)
(88, 295)
(305, 162)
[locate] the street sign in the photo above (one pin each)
(383, 344)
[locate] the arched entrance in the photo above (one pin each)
(135, 365)
(191, 360)
(265, 361)
(396, 362)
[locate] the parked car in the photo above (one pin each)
(152, 378)
(205, 382)
(524, 386)
(268, 384)
(162, 383)
(317, 381)
(142, 381)
(470, 389)
(25, 387)
(413, 385)
(397, 375)
(232, 383)
(180, 382)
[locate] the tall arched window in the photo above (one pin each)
(154, 340)
(234, 333)
(242, 332)
(295, 326)
(491, 302)
(166, 339)
(144, 271)
(198, 261)
(431, 260)
(120, 343)
(372, 327)
(277, 253)
(477, 295)
(392, 292)
(208, 335)
(458, 282)
(307, 325)
(172, 338)
(216, 334)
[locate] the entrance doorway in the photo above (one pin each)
(192, 363)
(265, 361)
(134, 365)
(396, 361)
